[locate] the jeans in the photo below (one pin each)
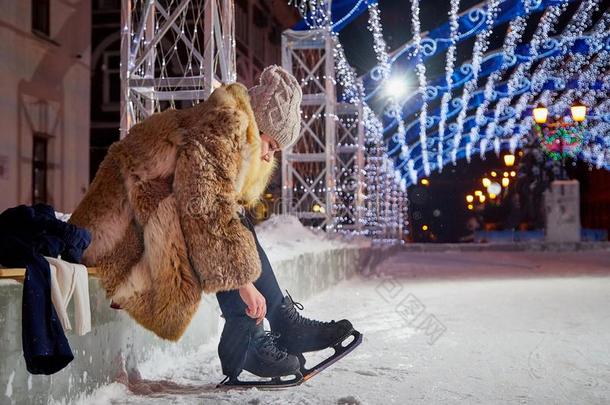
(231, 303)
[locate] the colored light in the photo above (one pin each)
(425, 182)
(478, 192)
(486, 182)
(505, 182)
(482, 198)
(424, 227)
(469, 198)
(509, 160)
(494, 174)
(492, 195)
(505, 174)
(513, 173)
(540, 114)
(470, 206)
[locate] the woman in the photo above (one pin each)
(165, 211)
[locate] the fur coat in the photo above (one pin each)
(162, 210)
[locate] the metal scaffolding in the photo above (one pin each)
(323, 173)
(173, 54)
(309, 166)
(349, 169)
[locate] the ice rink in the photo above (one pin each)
(439, 328)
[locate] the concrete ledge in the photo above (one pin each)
(505, 247)
(117, 344)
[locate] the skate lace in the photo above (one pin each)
(268, 344)
(295, 316)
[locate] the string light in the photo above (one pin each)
(449, 66)
(420, 70)
(480, 47)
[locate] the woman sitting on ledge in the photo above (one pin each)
(166, 214)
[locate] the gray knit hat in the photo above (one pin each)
(276, 102)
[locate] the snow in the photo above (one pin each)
(472, 333)
(9, 386)
(283, 237)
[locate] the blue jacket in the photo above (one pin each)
(26, 235)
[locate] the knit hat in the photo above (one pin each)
(276, 102)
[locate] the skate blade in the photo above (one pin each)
(274, 383)
(340, 352)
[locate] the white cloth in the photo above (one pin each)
(67, 280)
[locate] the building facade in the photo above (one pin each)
(45, 79)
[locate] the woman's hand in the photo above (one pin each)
(256, 303)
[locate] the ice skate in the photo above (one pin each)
(300, 335)
(246, 346)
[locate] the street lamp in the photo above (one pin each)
(509, 160)
(560, 137)
(578, 111)
(540, 114)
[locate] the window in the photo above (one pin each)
(40, 17)
(259, 18)
(39, 168)
(111, 80)
(241, 22)
(108, 4)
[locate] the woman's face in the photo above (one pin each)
(268, 147)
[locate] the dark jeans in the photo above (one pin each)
(231, 303)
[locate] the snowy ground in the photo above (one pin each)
(439, 328)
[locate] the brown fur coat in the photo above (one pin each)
(162, 210)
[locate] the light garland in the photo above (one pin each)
(383, 69)
(546, 25)
(378, 166)
(480, 47)
(513, 36)
(499, 91)
(449, 67)
(379, 45)
(420, 70)
(574, 29)
(520, 84)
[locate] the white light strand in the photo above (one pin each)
(420, 69)
(586, 77)
(545, 27)
(480, 47)
(513, 37)
(379, 44)
(577, 63)
(384, 67)
(449, 68)
(549, 65)
(378, 167)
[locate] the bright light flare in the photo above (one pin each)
(396, 87)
